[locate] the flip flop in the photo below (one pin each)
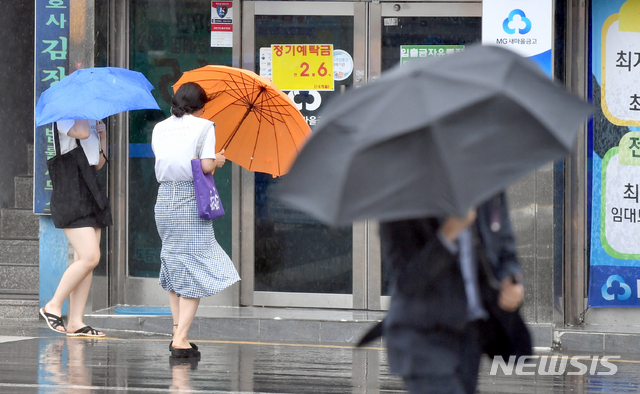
(86, 331)
(53, 321)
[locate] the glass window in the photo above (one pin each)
(427, 31)
(293, 252)
(424, 31)
(167, 37)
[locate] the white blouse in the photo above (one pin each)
(174, 143)
(91, 145)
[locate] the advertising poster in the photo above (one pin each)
(302, 67)
(523, 26)
(306, 73)
(51, 65)
(614, 274)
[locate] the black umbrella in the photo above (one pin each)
(433, 138)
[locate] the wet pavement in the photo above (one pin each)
(37, 360)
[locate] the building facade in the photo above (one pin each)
(285, 258)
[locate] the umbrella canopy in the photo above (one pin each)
(433, 138)
(258, 125)
(95, 93)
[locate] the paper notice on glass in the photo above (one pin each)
(222, 24)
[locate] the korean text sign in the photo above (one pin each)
(620, 58)
(614, 272)
(302, 67)
(52, 64)
(414, 52)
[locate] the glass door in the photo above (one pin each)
(288, 258)
(285, 258)
(400, 32)
(166, 38)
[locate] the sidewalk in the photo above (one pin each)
(247, 323)
(35, 359)
(329, 326)
(333, 326)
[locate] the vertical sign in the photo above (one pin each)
(614, 270)
(52, 64)
(523, 26)
(222, 24)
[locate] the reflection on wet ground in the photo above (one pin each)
(40, 361)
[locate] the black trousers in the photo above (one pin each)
(437, 361)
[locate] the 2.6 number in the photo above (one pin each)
(322, 70)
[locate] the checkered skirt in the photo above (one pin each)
(193, 264)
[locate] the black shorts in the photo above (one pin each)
(100, 219)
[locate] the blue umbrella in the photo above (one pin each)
(95, 93)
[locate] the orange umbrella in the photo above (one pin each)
(258, 125)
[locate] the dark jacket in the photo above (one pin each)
(427, 285)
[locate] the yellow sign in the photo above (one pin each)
(302, 67)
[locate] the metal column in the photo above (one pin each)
(575, 201)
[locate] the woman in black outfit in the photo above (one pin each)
(83, 233)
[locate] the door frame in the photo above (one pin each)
(367, 265)
(248, 296)
(367, 261)
(378, 11)
(124, 289)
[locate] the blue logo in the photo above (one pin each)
(615, 286)
(523, 19)
(222, 10)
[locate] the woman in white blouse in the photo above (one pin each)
(193, 265)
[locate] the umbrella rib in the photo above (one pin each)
(268, 106)
(249, 108)
(265, 107)
(239, 88)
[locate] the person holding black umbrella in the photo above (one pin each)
(75, 210)
(456, 290)
(453, 131)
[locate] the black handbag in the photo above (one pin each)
(76, 191)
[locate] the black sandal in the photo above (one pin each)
(86, 331)
(53, 321)
(186, 353)
(193, 345)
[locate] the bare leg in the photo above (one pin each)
(188, 308)
(77, 302)
(86, 242)
(78, 297)
(174, 304)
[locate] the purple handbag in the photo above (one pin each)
(207, 197)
